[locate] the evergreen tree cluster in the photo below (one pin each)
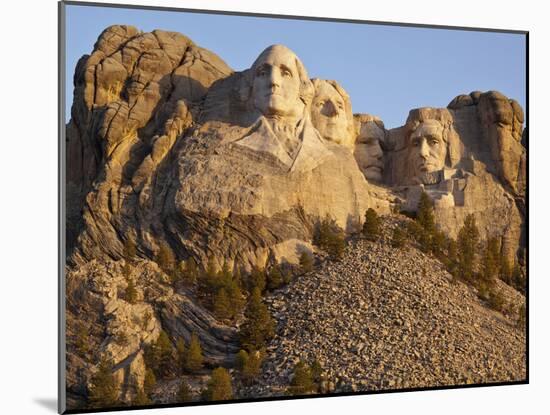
(306, 378)
(165, 258)
(424, 230)
(465, 258)
(249, 365)
(165, 361)
(331, 238)
(372, 225)
(258, 327)
(222, 292)
(187, 272)
(219, 386)
(103, 391)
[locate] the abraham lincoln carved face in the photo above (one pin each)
(427, 148)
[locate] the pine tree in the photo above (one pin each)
(275, 278)
(163, 355)
(103, 390)
(330, 237)
(130, 250)
(184, 392)
(225, 273)
(257, 279)
(316, 372)
(165, 258)
(336, 245)
(209, 281)
(322, 232)
(415, 230)
(149, 382)
(287, 275)
(425, 213)
(219, 386)
(489, 264)
(190, 272)
(82, 341)
(467, 246)
(236, 299)
(371, 227)
(181, 353)
(194, 358)
(241, 360)
(398, 237)
(306, 262)
(127, 270)
(131, 292)
(249, 365)
(222, 305)
(438, 242)
(451, 260)
(302, 380)
(505, 270)
(259, 326)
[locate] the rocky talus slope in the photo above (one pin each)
(387, 318)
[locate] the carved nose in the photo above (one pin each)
(330, 109)
(274, 79)
(377, 152)
(424, 149)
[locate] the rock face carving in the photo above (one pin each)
(281, 92)
(167, 145)
(331, 112)
(369, 146)
(431, 142)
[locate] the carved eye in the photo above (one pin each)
(287, 73)
(433, 142)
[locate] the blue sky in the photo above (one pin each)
(387, 70)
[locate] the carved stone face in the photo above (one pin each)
(328, 114)
(427, 149)
(276, 83)
(368, 151)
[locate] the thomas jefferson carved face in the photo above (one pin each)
(427, 148)
(329, 114)
(368, 151)
(276, 83)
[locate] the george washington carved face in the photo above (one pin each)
(276, 83)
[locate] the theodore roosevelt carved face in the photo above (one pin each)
(368, 150)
